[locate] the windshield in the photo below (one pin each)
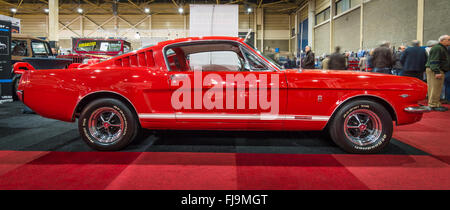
(266, 57)
(99, 46)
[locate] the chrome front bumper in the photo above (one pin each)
(417, 109)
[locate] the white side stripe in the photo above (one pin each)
(234, 117)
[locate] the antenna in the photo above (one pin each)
(248, 34)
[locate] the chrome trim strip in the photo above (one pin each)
(234, 117)
(157, 116)
(417, 109)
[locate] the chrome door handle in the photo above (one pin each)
(177, 76)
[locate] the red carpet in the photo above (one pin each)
(200, 171)
(431, 134)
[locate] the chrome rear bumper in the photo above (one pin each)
(417, 109)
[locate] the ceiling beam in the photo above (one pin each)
(260, 2)
(273, 3)
(175, 3)
(95, 5)
(136, 6)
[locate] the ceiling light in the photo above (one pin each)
(13, 10)
(46, 10)
(80, 10)
(180, 10)
(137, 35)
(249, 10)
(147, 10)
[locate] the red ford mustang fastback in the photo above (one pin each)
(219, 83)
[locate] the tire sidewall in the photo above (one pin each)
(129, 131)
(338, 133)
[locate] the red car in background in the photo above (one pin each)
(89, 48)
(220, 83)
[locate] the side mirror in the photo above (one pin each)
(21, 67)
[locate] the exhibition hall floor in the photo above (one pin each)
(40, 153)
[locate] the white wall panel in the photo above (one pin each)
(210, 20)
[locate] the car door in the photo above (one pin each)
(230, 90)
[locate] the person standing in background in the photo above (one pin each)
(295, 62)
(383, 59)
(308, 60)
(413, 60)
(398, 66)
(337, 60)
(447, 83)
(370, 61)
(437, 65)
(430, 44)
(363, 64)
(54, 51)
(325, 62)
(347, 58)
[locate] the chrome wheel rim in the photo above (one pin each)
(106, 125)
(362, 127)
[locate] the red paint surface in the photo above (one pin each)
(142, 78)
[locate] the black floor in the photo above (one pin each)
(31, 132)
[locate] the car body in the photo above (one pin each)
(140, 86)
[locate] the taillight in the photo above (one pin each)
(21, 67)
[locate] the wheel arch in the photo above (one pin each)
(98, 95)
(388, 106)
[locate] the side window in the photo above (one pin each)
(126, 48)
(205, 56)
(215, 61)
(19, 48)
(173, 59)
(39, 48)
(253, 63)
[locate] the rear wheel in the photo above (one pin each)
(361, 126)
(108, 124)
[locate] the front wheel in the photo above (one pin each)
(108, 124)
(361, 126)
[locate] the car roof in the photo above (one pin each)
(187, 39)
(25, 36)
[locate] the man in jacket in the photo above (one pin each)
(447, 84)
(438, 64)
(398, 66)
(383, 59)
(413, 60)
(337, 60)
(308, 60)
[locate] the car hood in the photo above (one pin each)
(344, 79)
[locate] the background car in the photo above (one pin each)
(102, 49)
